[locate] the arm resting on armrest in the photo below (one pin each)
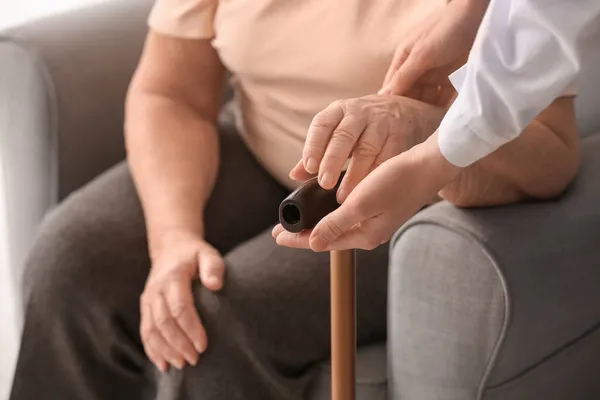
(539, 164)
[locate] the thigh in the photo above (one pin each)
(245, 199)
(281, 298)
(93, 245)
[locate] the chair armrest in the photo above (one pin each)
(63, 81)
(86, 58)
(499, 290)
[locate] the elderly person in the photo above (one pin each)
(161, 277)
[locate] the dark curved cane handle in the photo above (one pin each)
(307, 205)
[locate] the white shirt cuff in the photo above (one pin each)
(458, 141)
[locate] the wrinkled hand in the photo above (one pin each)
(380, 204)
(439, 46)
(368, 131)
(170, 327)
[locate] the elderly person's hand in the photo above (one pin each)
(380, 204)
(171, 330)
(439, 46)
(367, 131)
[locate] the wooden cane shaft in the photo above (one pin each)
(343, 325)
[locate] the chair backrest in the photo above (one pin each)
(588, 101)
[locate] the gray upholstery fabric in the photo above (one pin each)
(91, 54)
(513, 290)
(371, 376)
(27, 153)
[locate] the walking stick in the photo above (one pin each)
(302, 209)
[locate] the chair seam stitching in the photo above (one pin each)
(455, 228)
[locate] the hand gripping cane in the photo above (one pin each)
(302, 209)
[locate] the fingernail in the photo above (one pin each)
(191, 358)
(200, 348)
(385, 90)
(213, 281)
(177, 363)
(312, 165)
(326, 180)
(162, 367)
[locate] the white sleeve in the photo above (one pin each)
(525, 55)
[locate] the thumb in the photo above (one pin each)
(211, 269)
(333, 226)
(406, 76)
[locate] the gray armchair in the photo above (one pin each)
(518, 284)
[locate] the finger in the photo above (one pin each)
(171, 332)
(145, 332)
(344, 138)
(298, 240)
(318, 135)
(400, 56)
(408, 73)
(277, 229)
(334, 225)
(365, 152)
(182, 307)
(367, 235)
(446, 96)
(431, 94)
(212, 270)
(298, 173)
(393, 146)
(155, 343)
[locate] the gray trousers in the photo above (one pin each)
(267, 328)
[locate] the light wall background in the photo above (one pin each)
(14, 12)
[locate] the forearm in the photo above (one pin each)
(173, 154)
(539, 164)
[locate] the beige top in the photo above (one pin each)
(291, 58)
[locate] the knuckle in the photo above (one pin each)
(344, 135)
(321, 120)
(148, 333)
(420, 55)
(164, 323)
(337, 104)
(145, 333)
(146, 300)
(334, 228)
(180, 309)
(402, 52)
(365, 148)
(333, 159)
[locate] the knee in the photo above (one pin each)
(447, 312)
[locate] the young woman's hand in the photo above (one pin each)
(439, 46)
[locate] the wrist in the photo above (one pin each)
(165, 237)
(429, 156)
(426, 118)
